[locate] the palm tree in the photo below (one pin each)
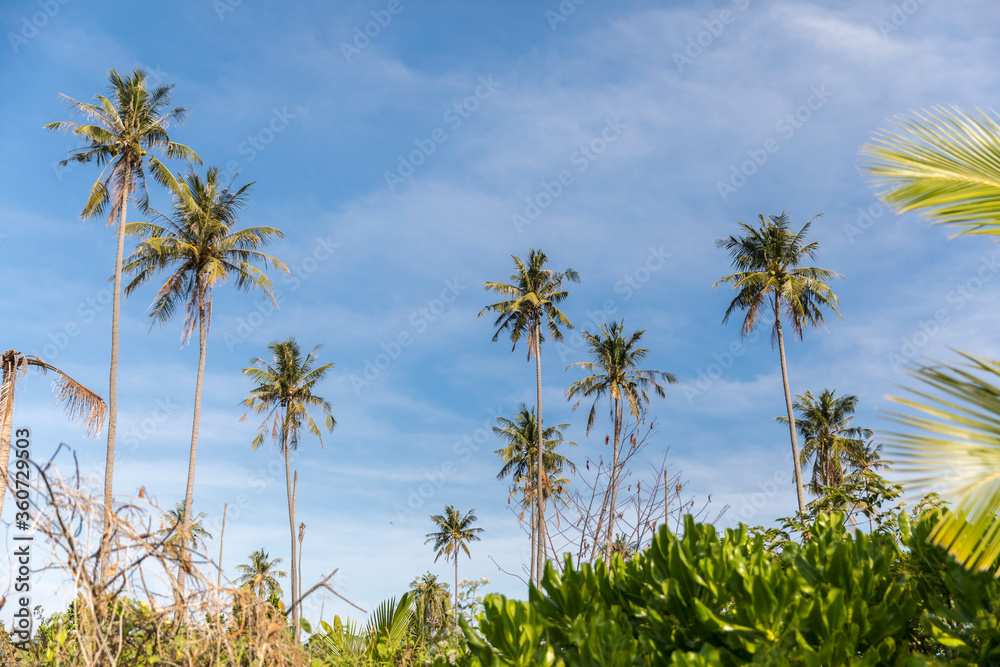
(79, 402)
(531, 303)
(614, 374)
(521, 451)
(284, 392)
(201, 248)
(432, 604)
(829, 439)
(260, 575)
(864, 470)
(128, 126)
(455, 534)
(768, 276)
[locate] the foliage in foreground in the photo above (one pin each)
(704, 599)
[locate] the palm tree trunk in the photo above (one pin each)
(788, 407)
(192, 457)
(291, 520)
(540, 455)
(534, 532)
(109, 461)
(614, 479)
(455, 610)
(6, 419)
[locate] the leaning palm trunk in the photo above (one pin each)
(80, 403)
(124, 188)
(788, 407)
(192, 457)
(291, 523)
(539, 455)
(613, 509)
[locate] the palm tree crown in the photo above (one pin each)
(519, 454)
(201, 246)
(172, 529)
(261, 574)
(614, 372)
(824, 423)
(284, 392)
(767, 259)
(533, 296)
(126, 129)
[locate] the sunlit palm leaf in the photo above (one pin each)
(944, 161)
(954, 449)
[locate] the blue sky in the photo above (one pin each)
(621, 138)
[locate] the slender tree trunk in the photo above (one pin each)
(540, 455)
(109, 461)
(666, 499)
(613, 510)
(456, 589)
(192, 457)
(534, 532)
(222, 537)
(791, 414)
(302, 530)
(6, 418)
(291, 520)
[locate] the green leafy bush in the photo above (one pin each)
(840, 598)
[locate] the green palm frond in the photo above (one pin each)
(953, 447)
(945, 162)
(455, 534)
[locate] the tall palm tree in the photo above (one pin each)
(260, 575)
(830, 441)
(124, 129)
(531, 305)
(79, 402)
(520, 453)
(432, 602)
(946, 163)
(455, 534)
(615, 374)
(284, 392)
(769, 277)
(202, 250)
